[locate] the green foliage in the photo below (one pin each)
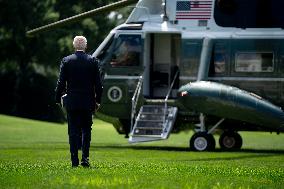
(35, 154)
(34, 94)
(23, 81)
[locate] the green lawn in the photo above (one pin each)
(35, 154)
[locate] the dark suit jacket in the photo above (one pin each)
(80, 78)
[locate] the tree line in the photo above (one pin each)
(29, 65)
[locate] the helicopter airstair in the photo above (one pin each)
(153, 122)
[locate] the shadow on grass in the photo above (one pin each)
(185, 149)
(235, 158)
(242, 154)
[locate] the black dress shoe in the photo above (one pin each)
(85, 162)
(75, 162)
(75, 165)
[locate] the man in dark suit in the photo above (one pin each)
(79, 78)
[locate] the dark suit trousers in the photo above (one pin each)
(79, 123)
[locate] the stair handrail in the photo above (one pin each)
(167, 97)
(134, 100)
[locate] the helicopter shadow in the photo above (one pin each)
(242, 153)
(186, 149)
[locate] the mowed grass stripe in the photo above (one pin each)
(35, 154)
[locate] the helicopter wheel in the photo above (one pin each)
(202, 141)
(230, 140)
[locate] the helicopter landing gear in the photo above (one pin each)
(203, 140)
(230, 140)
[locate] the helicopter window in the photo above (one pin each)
(106, 50)
(190, 57)
(127, 51)
(249, 14)
(254, 62)
(219, 63)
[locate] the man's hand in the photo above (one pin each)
(59, 104)
(97, 107)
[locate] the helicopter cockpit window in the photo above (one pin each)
(127, 51)
(106, 50)
(254, 62)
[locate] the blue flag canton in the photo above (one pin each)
(183, 6)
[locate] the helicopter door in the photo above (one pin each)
(164, 57)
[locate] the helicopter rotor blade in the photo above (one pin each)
(76, 18)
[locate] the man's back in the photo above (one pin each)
(82, 75)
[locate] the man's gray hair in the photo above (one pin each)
(80, 43)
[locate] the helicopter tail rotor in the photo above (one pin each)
(76, 18)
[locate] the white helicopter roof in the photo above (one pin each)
(194, 18)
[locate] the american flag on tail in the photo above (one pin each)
(194, 10)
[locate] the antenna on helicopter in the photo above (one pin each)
(165, 16)
(76, 18)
